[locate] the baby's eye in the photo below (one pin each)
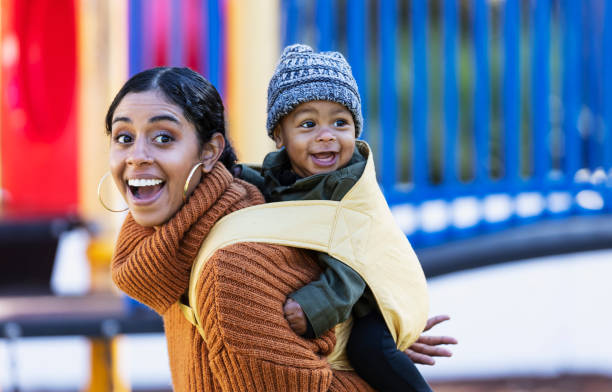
(340, 123)
(163, 138)
(307, 124)
(124, 139)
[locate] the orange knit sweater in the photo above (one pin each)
(249, 345)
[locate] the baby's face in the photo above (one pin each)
(319, 137)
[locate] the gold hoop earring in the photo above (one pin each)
(191, 173)
(100, 195)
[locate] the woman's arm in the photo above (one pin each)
(242, 289)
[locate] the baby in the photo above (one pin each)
(314, 117)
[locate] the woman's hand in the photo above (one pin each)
(295, 315)
(425, 348)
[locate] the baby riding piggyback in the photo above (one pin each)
(376, 286)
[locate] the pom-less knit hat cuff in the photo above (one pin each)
(317, 91)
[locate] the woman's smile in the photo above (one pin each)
(145, 190)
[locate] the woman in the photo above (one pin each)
(169, 157)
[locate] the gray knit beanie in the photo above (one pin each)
(303, 75)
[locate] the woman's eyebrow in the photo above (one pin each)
(121, 119)
(164, 117)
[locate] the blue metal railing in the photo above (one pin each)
(450, 19)
(482, 114)
(607, 90)
(545, 151)
(512, 92)
(420, 165)
(388, 93)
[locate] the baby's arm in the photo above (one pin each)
(325, 302)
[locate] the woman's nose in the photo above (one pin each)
(139, 154)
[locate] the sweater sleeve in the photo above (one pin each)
(329, 300)
(251, 347)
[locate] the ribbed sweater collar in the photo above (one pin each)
(176, 243)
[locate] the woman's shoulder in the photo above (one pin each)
(253, 194)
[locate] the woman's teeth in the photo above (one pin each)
(145, 188)
(144, 182)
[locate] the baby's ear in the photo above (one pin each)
(278, 137)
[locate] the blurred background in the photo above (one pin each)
(491, 125)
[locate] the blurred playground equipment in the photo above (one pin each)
(485, 116)
(491, 123)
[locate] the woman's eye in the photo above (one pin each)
(307, 124)
(163, 138)
(123, 139)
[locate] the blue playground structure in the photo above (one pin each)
(491, 121)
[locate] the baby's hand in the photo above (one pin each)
(296, 317)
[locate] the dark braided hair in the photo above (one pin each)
(196, 96)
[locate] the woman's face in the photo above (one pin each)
(153, 148)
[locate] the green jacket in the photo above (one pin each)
(339, 291)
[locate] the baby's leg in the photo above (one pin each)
(372, 352)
